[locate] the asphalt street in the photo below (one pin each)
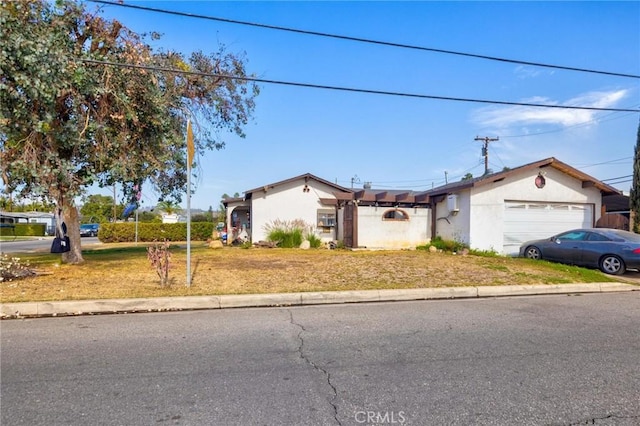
(544, 360)
(36, 244)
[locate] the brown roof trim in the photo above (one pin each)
(547, 162)
(406, 197)
(329, 201)
(226, 201)
(343, 196)
(306, 176)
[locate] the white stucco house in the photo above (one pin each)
(502, 210)
(497, 212)
(359, 218)
(48, 219)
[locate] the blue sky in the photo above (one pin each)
(409, 143)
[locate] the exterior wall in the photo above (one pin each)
(288, 202)
(487, 207)
(374, 232)
(451, 225)
(480, 221)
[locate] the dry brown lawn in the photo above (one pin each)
(123, 271)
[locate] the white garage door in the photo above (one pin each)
(524, 221)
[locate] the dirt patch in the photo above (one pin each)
(125, 273)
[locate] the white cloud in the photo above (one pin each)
(523, 72)
(507, 116)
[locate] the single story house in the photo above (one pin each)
(48, 219)
(497, 211)
(502, 210)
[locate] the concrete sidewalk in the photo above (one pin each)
(159, 304)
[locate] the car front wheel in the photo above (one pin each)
(532, 252)
(613, 265)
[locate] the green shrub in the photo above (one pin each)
(444, 245)
(29, 229)
(286, 238)
(149, 232)
(314, 240)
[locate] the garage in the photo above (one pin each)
(524, 221)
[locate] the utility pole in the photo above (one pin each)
(485, 150)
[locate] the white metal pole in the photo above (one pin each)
(189, 226)
(136, 226)
(190, 150)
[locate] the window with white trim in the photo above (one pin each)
(326, 221)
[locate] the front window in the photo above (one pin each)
(395, 215)
(326, 221)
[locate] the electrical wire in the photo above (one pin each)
(604, 162)
(350, 89)
(616, 178)
(364, 40)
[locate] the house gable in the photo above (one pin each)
(305, 197)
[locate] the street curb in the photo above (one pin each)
(159, 304)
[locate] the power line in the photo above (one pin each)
(605, 162)
(364, 40)
(616, 178)
(350, 89)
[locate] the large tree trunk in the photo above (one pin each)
(72, 220)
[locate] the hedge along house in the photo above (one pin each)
(502, 210)
(359, 218)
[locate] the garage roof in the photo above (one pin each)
(587, 181)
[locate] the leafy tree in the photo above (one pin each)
(468, 176)
(32, 206)
(99, 208)
(169, 207)
(147, 216)
(68, 122)
(634, 195)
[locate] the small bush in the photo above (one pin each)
(444, 245)
(485, 253)
(160, 258)
(314, 240)
(287, 233)
(286, 238)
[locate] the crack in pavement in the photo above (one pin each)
(334, 391)
(593, 420)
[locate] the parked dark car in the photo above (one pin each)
(613, 251)
(89, 229)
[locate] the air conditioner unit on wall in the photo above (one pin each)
(452, 203)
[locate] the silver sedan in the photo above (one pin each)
(611, 250)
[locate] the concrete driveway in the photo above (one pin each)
(633, 277)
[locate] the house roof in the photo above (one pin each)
(306, 177)
(587, 181)
(27, 215)
(387, 196)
